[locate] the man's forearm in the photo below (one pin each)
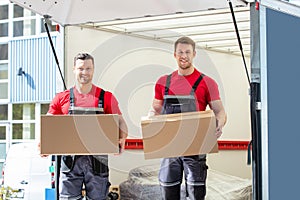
(123, 130)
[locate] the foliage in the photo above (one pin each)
(7, 193)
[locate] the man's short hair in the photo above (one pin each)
(83, 56)
(185, 40)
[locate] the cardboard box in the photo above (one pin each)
(79, 134)
(181, 134)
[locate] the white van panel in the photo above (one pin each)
(26, 169)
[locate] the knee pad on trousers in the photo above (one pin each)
(171, 192)
(196, 192)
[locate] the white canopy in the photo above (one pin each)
(70, 12)
(208, 22)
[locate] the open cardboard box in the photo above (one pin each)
(181, 134)
(79, 134)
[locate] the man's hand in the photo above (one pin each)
(122, 145)
(122, 134)
(221, 117)
(219, 130)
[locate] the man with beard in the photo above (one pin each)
(90, 171)
(186, 90)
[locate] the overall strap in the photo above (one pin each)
(72, 104)
(168, 84)
(101, 99)
(197, 83)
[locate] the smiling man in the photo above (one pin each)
(90, 170)
(186, 90)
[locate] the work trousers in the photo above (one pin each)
(96, 184)
(171, 174)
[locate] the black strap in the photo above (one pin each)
(197, 83)
(168, 84)
(72, 101)
(100, 99)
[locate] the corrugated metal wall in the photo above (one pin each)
(35, 57)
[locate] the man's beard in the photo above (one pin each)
(184, 64)
(184, 67)
(84, 80)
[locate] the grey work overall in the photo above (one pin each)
(76, 170)
(194, 167)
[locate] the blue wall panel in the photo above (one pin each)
(35, 57)
(283, 70)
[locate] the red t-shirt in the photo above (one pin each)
(61, 102)
(206, 91)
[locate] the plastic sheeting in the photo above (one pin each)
(142, 184)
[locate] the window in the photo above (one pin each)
(3, 12)
(21, 12)
(44, 108)
(4, 90)
(2, 132)
(3, 82)
(23, 131)
(3, 29)
(3, 71)
(23, 126)
(24, 27)
(3, 112)
(4, 51)
(23, 111)
(2, 150)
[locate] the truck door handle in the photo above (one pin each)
(24, 182)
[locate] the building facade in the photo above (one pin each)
(28, 74)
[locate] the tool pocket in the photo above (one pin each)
(100, 165)
(67, 163)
